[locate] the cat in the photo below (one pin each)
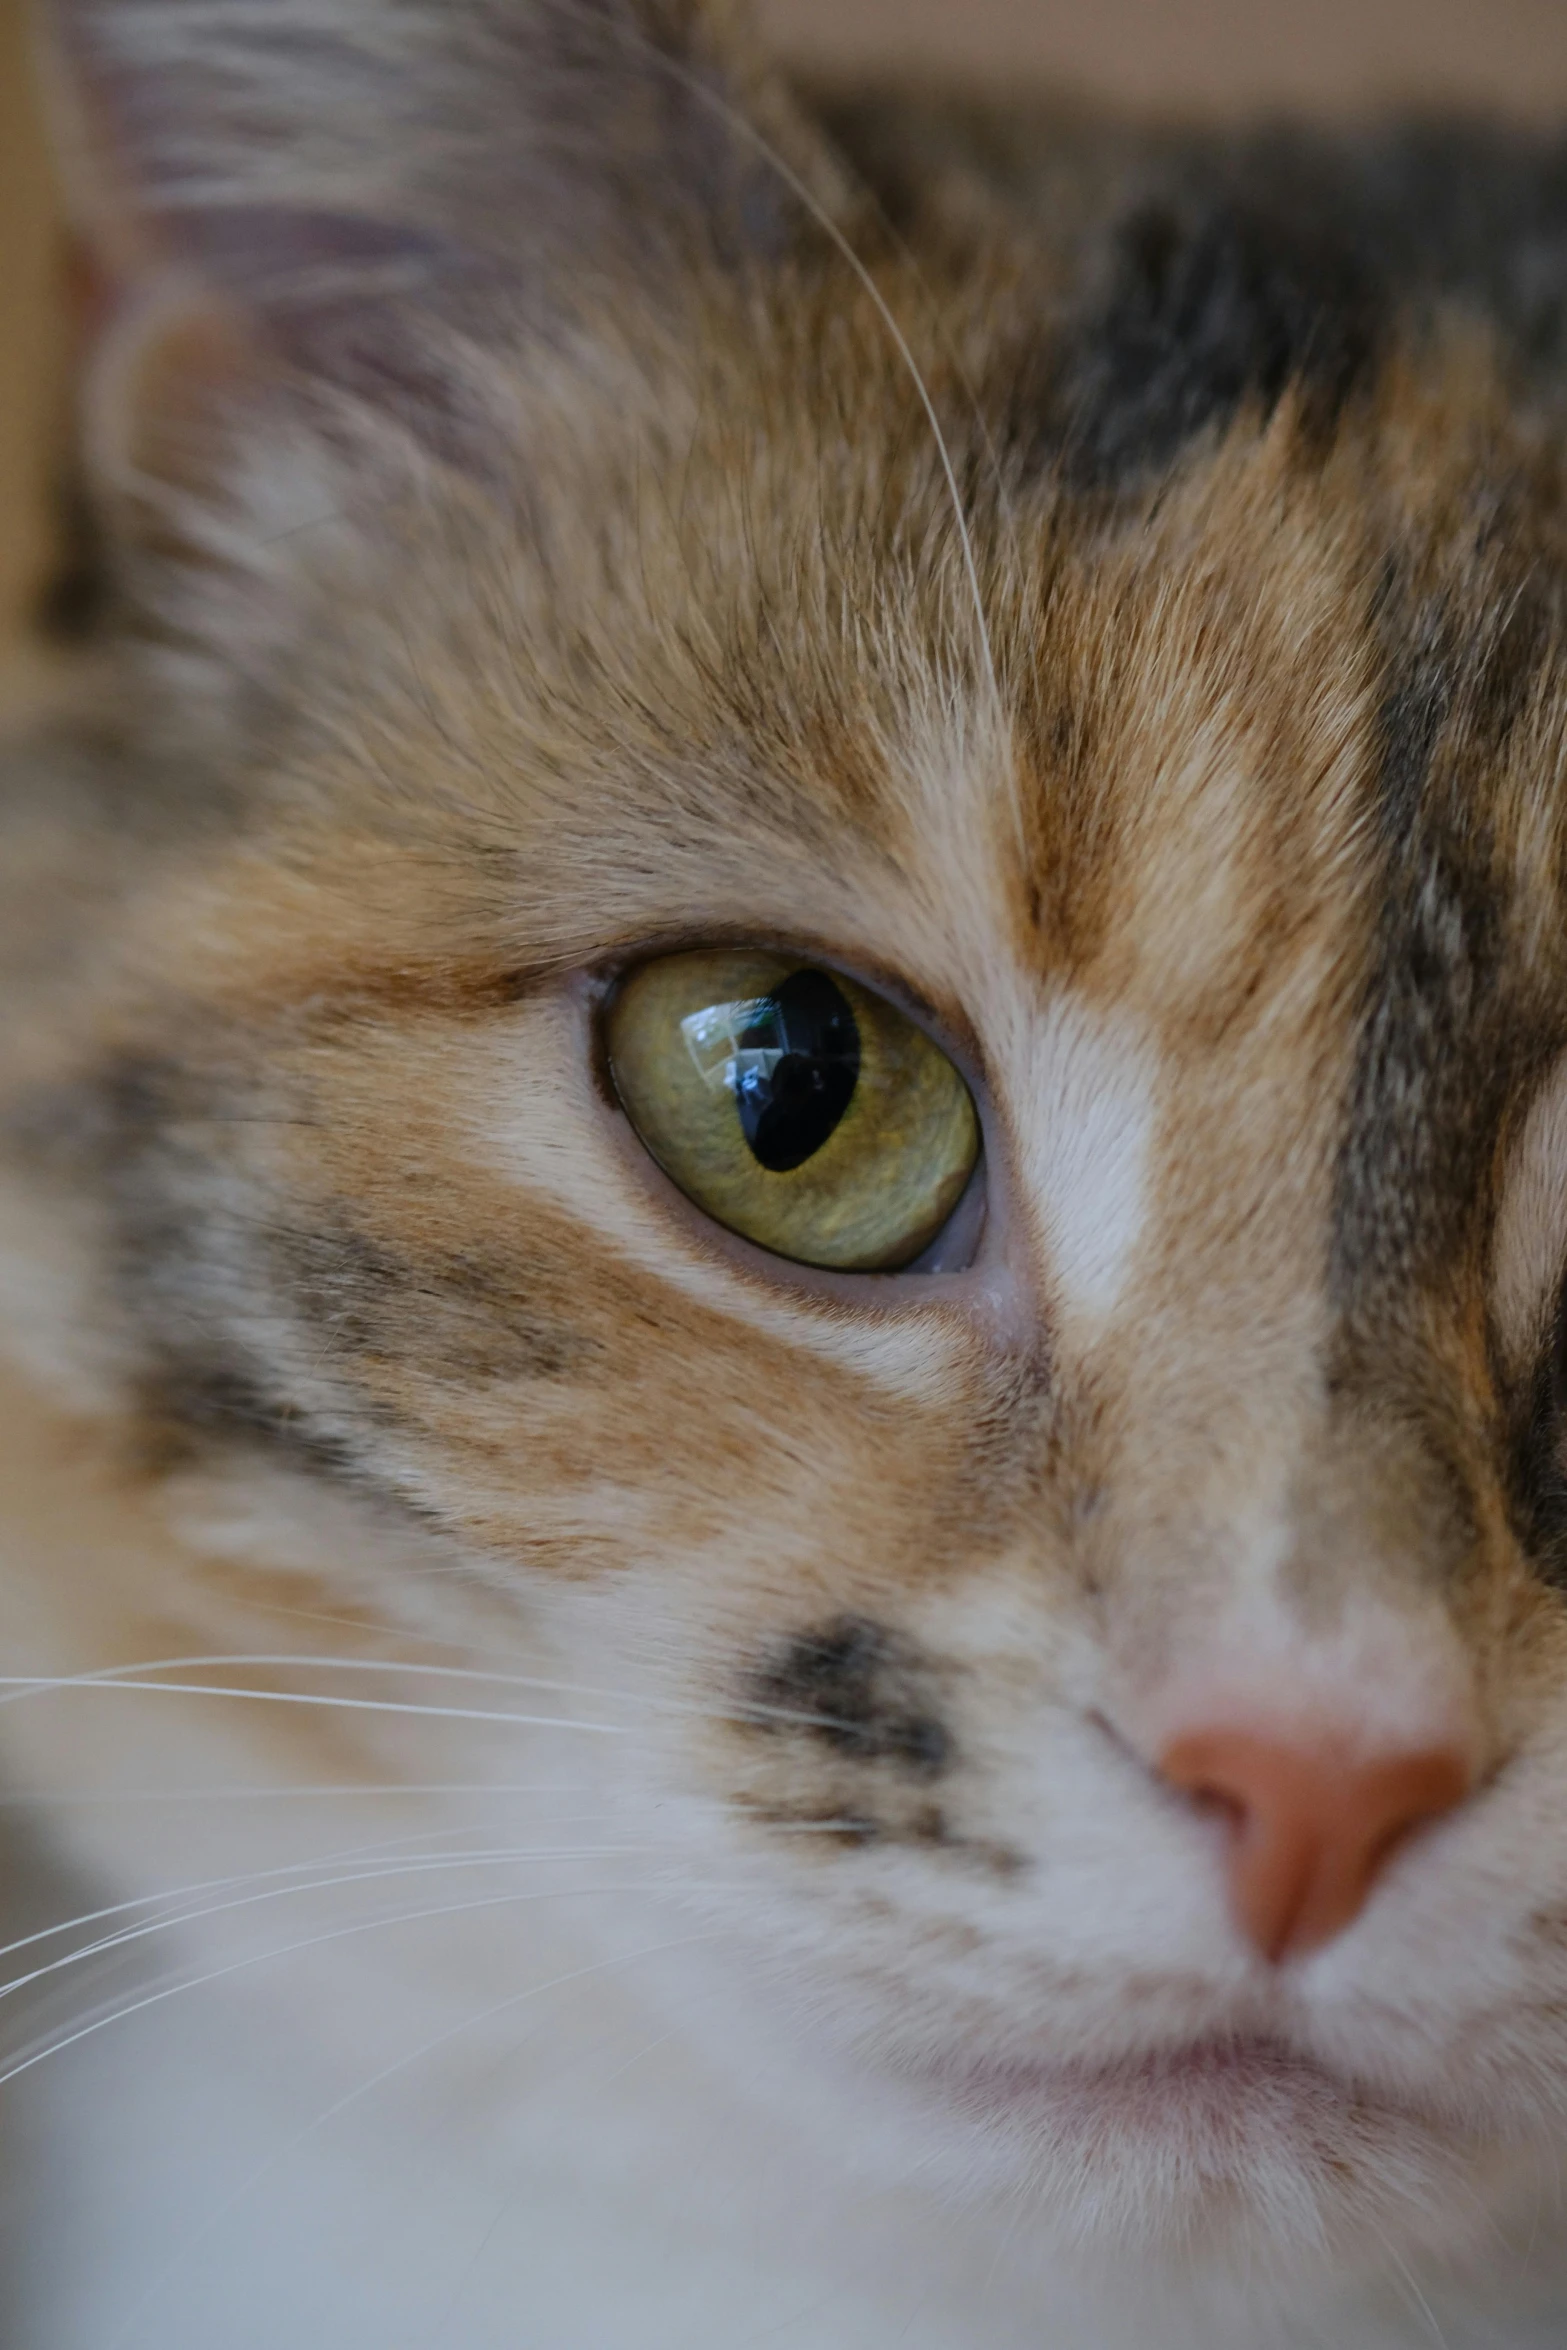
(784, 1094)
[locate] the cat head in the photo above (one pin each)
(1061, 665)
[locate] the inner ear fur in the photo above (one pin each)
(330, 210)
(337, 169)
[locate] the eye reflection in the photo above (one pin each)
(793, 1065)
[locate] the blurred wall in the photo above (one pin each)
(1333, 55)
(29, 369)
(1338, 54)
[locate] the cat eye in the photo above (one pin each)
(793, 1106)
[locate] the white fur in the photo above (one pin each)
(1086, 1113)
(1372, 1680)
(580, 2115)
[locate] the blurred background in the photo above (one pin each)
(1324, 56)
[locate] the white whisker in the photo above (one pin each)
(51, 1797)
(21, 1685)
(16, 1686)
(425, 1865)
(377, 1849)
(236, 1966)
(300, 1659)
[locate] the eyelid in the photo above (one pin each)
(958, 1243)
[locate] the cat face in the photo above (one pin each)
(1121, 652)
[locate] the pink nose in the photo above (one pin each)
(1309, 1830)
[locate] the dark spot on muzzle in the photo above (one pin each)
(856, 1687)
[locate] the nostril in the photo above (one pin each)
(1222, 1805)
(1222, 1802)
(1310, 1831)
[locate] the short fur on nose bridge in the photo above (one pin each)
(1310, 1830)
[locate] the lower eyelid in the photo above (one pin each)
(958, 1242)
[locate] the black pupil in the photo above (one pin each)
(790, 1104)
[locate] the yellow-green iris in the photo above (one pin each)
(793, 1106)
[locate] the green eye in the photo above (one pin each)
(793, 1106)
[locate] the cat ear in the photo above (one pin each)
(306, 154)
(352, 203)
